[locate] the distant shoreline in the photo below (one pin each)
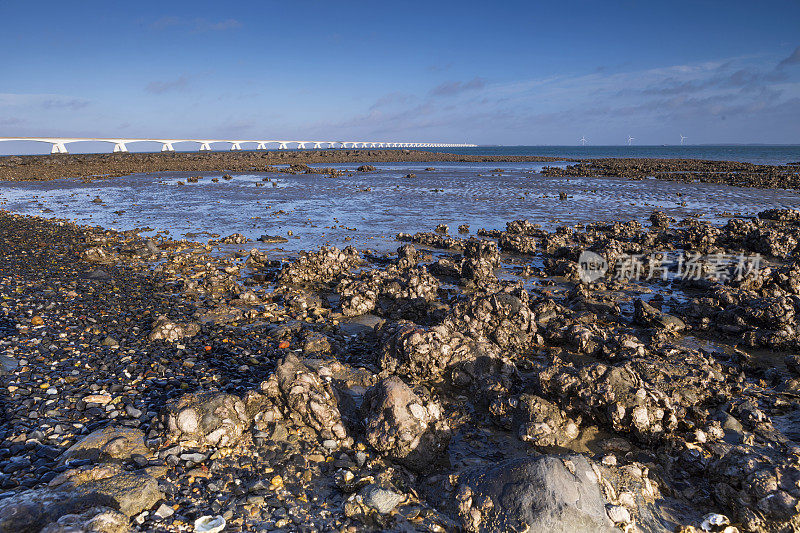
(56, 166)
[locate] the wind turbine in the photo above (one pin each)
(683, 138)
(583, 140)
(630, 140)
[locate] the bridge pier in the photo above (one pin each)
(167, 147)
(205, 146)
(120, 147)
(235, 146)
(261, 146)
(59, 148)
(282, 146)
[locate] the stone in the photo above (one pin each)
(97, 498)
(209, 418)
(93, 520)
(309, 399)
(164, 511)
(169, 331)
(558, 494)
(382, 500)
(648, 316)
(129, 492)
(110, 443)
(401, 425)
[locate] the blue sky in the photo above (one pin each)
(480, 72)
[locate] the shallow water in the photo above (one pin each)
(369, 209)
(752, 153)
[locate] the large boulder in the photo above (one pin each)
(538, 494)
(112, 443)
(309, 398)
(97, 498)
(402, 425)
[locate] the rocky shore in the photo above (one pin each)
(686, 170)
(151, 385)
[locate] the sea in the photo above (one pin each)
(751, 153)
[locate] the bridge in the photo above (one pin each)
(59, 144)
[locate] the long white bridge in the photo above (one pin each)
(59, 144)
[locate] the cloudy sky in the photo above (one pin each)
(483, 72)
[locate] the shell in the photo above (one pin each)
(209, 524)
(712, 521)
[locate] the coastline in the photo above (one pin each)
(56, 166)
(114, 339)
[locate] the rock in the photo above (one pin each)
(324, 266)
(164, 511)
(111, 342)
(660, 220)
(316, 343)
(403, 426)
(223, 314)
(7, 364)
(169, 331)
(382, 500)
(99, 497)
(93, 520)
(100, 399)
(112, 443)
(273, 239)
(130, 492)
(362, 293)
(647, 315)
(542, 423)
(366, 168)
(304, 301)
(559, 494)
(407, 256)
(36, 511)
(309, 399)
(97, 255)
(208, 418)
(236, 238)
(360, 324)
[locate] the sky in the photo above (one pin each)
(504, 72)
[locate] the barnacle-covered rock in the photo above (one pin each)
(402, 425)
(203, 419)
(324, 266)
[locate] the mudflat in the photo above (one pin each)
(54, 166)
